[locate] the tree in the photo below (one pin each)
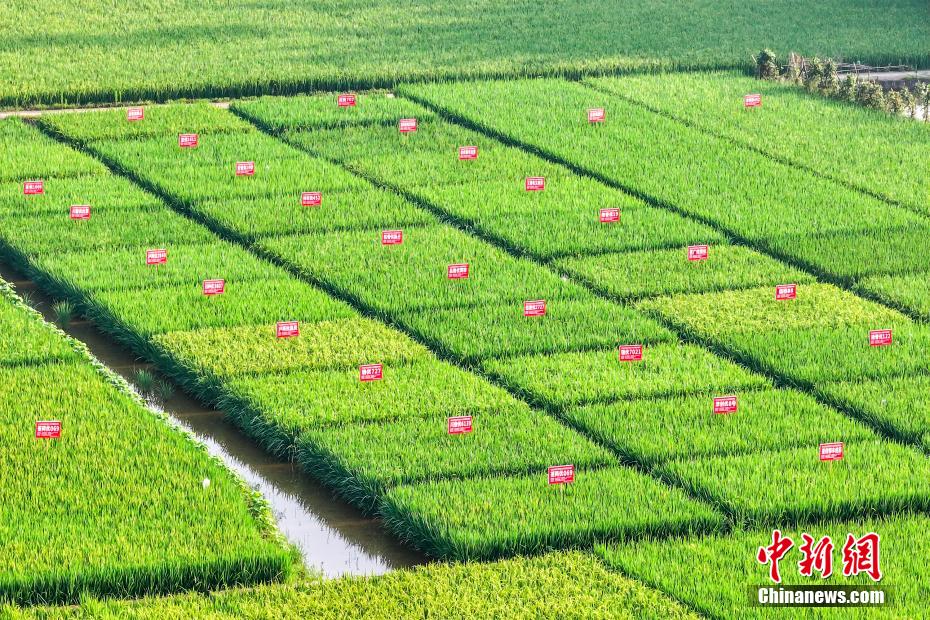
(829, 81)
(894, 101)
(848, 88)
(813, 73)
(767, 65)
(871, 95)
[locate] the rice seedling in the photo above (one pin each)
(250, 349)
(361, 461)
(908, 292)
(598, 376)
(144, 380)
(476, 333)
(163, 390)
(28, 154)
(634, 275)
(23, 338)
(104, 193)
(64, 312)
(549, 587)
(654, 431)
(873, 477)
(669, 565)
(485, 518)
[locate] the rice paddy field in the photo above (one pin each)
(582, 367)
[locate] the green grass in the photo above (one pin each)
(554, 586)
(910, 292)
(361, 461)
(485, 518)
(481, 332)
(653, 431)
(645, 274)
(598, 376)
(28, 155)
(874, 477)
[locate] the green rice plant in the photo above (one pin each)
(598, 376)
(849, 143)
(485, 518)
(144, 380)
(549, 587)
(908, 292)
(476, 333)
(362, 461)
(321, 112)
(899, 406)
(669, 565)
(654, 431)
(146, 312)
(64, 312)
(163, 390)
(413, 275)
(256, 349)
(874, 477)
(24, 340)
(633, 275)
(103, 192)
(28, 154)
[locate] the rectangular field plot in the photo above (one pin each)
(873, 477)
(669, 565)
(28, 154)
(322, 112)
(102, 192)
(484, 518)
(653, 431)
(909, 292)
(414, 275)
(645, 274)
(361, 461)
(598, 376)
(343, 343)
(480, 332)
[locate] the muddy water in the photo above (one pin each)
(333, 537)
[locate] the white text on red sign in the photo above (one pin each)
(187, 140)
(48, 429)
(135, 114)
(610, 215)
(156, 257)
(535, 184)
(537, 307)
(346, 100)
(458, 425)
(214, 287)
(879, 337)
(245, 168)
(287, 329)
(698, 252)
(407, 125)
(392, 237)
(457, 271)
(831, 451)
(725, 404)
(596, 115)
(752, 101)
(31, 188)
(631, 352)
(561, 474)
(80, 212)
(311, 199)
(786, 291)
(370, 372)
(468, 152)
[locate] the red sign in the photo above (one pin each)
(697, 252)
(610, 215)
(80, 212)
(187, 140)
(786, 291)
(346, 100)
(392, 237)
(596, 115)
(49, 429)
(534, 308)
(725, 404)
(370, 372)
(468, 152)
(287, 329)
(156, 257)
(135, 114)
(752, 101)
(879, 337)
(214, 287)
(535, 184)
(631, 352)
(31, 188)
(457, 271)
(245, 168)
(311, 199)
(831, 451)
(407, 125)
(459, 425)
(561, 474)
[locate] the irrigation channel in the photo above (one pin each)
(333, 537)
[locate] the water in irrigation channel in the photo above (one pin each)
(332, 536)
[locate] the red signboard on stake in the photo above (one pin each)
(31, 188)
(245, 168)
(457, 271)
(596, 115)
(753, 100)
(214, 287)
(630, 352)
(346, 100)
(786, 291)
(831, 451)
(561, 474)
(392, 237)
(725, 404)
(879, 337)
(287, 329)
(698, 252)
(610, 215)
(468, 152)
(311, 199)
(187, 140)
(135, 114)
(370, 372)
(536, 307)
(156, 257)
(535, 184)
(407, 125)
(458, 425)
(79, 212)
(48, 429)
